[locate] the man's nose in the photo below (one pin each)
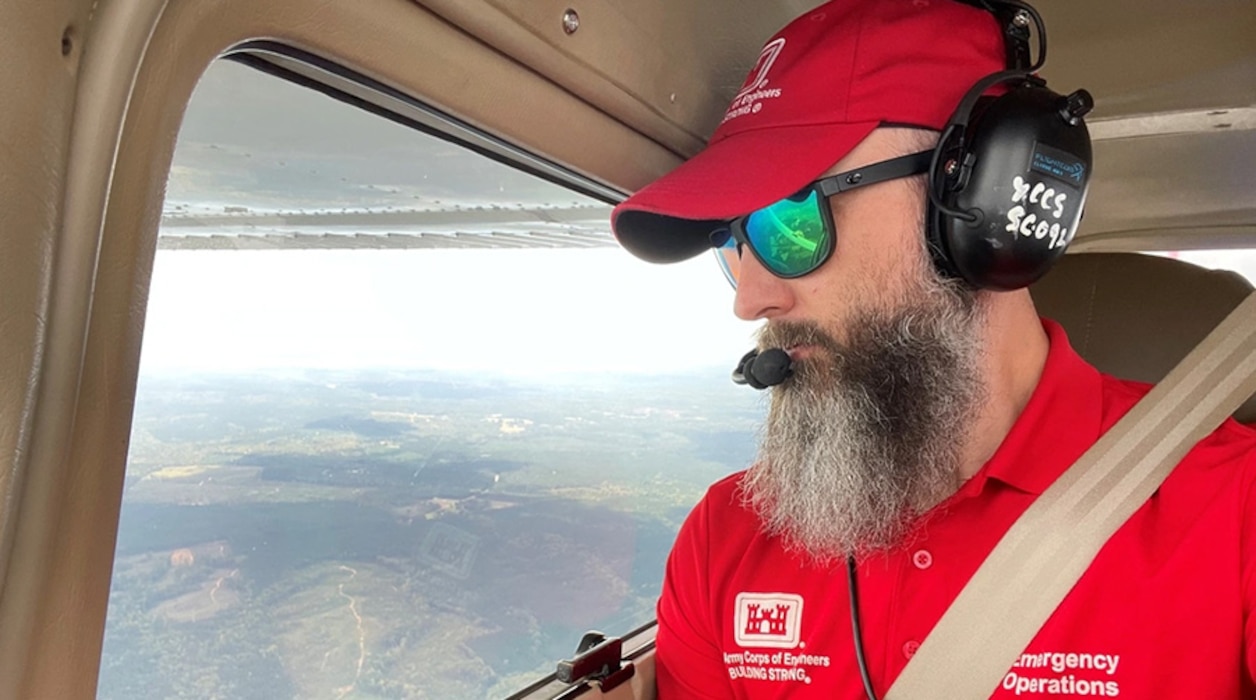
(760, 294)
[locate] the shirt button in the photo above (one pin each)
(922, 559)
(910, 649)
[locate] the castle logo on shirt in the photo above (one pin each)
(763, 622)
(772, 620)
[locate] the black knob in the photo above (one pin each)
(1075, 106)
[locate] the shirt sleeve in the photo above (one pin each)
(688, 663)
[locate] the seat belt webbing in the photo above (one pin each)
(1051, 545)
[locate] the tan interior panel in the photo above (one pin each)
(667, 69)
(1145, 57)
(1198, 183)
(40, 47)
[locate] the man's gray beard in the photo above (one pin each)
(866, 436)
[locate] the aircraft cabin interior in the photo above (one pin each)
(324, 377)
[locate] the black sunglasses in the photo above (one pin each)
(794, 236)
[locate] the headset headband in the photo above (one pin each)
(1015, 18)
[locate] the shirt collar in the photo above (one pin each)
(1062, 419)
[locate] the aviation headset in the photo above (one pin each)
(1009, 175)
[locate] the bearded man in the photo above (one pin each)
(924, 413)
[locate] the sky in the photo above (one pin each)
(531, 311)
(517, 312)
(252, 142)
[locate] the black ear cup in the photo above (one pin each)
(1010, 173)
(1008, 193)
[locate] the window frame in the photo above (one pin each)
(141, 62)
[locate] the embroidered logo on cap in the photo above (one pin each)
(768, 620)
(750, 99)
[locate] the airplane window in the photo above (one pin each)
(1240, 261)
(408, 423)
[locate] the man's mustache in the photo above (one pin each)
(788, 334)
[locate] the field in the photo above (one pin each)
(393, 535)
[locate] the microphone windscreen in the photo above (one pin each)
(770, 368)
(743, 367)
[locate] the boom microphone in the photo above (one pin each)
(761, 370)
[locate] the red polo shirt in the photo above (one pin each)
(1163, 612)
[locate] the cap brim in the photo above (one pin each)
(672, 218)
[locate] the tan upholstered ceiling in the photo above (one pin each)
(1174, 82)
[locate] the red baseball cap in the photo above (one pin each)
(819, 87)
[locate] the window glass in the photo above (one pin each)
(1240, 261)
(408, 423)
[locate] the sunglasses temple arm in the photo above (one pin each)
(903, 166)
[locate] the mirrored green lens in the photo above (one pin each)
(789, 236)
